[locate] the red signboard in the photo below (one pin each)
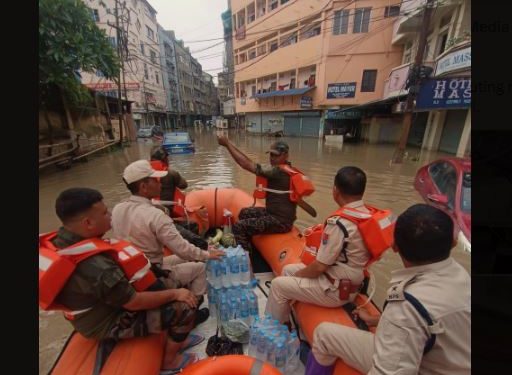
(109, 86)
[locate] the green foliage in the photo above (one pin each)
(70, 41)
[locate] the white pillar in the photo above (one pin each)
(465, 138)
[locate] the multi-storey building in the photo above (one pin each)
(296, 61)
(170, 74)
(142, 75)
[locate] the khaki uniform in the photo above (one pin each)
(320, 290)
(136, 220)
(444, 289)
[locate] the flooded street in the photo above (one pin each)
(211, 166)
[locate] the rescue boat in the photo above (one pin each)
(278, 250)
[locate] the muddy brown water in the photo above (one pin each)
(388, 186)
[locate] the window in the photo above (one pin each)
(368, 81)
(465, 199)
(392, 11)
(311, 32)
(442, 43)
(289, 39)
(150, 33)
(407, 53)
(137, 24)
(292, 83)
(142, 48)
(252, 54)
(273, 4)
(95, 15)
(273, 45)
(262, 50)
(146, 75)
(445, 179)
(112, 40)
(340, 22)
(152, 55)
(156, 78)
(253, 90)
(273, 86)
(361, 20)
(284, 2)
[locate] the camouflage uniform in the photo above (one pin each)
(278, 215)
(99, 282)
(256, 220)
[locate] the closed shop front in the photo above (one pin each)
(305, 124)
(452, 131)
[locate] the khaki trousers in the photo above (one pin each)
(185, 274)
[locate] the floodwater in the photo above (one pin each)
(388, 186)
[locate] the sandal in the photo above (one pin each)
(193, 341)
(188, 359)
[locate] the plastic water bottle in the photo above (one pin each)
(253, 305)
(234, 311)
(245, 275)
(224, 311)
(271, 347)
(225, 282)
(244, 309)
(293, 352)
(253, 341)
(217, 272)
(261, 352)
(280, 357)
(212, 301)
(234, 270)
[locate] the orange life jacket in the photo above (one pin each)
(178, 203)
(300, 185)
(376, 228)
(57, 265)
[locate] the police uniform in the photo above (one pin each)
(444, 290)
(323, 290)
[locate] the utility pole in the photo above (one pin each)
(413, 89)
(120, 54)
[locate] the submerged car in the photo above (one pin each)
(178, 143)
(446, 184)
(144, 133)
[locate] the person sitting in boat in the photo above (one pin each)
(171, 185)
(425, 327)
(150, 229)
(280, 210)
(335, 276)
(105, 287)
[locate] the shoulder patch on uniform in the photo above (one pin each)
(396, 291)
(333, 220)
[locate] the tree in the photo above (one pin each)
(70, 41)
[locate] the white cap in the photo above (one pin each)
(140, 169)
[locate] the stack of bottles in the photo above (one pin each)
(273, 343)
(230, 287)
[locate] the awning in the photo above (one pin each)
(374, 104)
(300, 91)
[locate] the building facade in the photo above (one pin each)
(142, 75)
(442, 117)
(225, 78)
(295, 61)
(170, 75)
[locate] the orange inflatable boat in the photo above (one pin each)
(278, 250)
(232, 365)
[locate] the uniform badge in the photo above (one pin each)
(325, 238)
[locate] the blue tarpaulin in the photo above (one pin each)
(300, 91)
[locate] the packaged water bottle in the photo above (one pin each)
(244, 309)
(271, 350)
(253, 305)
(224, 311)
(212, 301)
(280, 357)
(261, 352)
(234, 270)
(225, 282)
(245, 275)
(253, 341)
(234, 311)
(293, 352)
(217, 271)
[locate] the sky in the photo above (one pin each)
(196, 20)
